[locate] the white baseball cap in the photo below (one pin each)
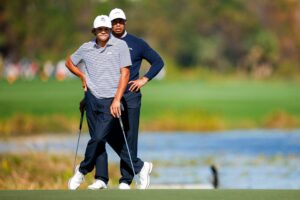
(117, 13)
(102, 21)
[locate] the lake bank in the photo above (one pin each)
(25, 124)
(256, 159)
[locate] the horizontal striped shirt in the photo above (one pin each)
(102, 65)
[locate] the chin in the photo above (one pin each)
(103, 38)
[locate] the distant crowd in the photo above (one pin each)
(26, 69)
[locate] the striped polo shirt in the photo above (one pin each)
(102, 65)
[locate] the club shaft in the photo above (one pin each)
(79, 133)
(122, 127)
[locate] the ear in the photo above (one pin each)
(93, 31)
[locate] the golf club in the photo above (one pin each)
(123, 131)
(79, 133)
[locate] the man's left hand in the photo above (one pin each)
(137, 84)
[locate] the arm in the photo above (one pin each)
(156, 63)
(115, 108)
(76, 71)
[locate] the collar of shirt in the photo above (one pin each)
(124, 34)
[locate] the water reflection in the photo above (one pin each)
(268, 159)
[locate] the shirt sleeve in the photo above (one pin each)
(154, 59)
(77, 56)
(125, 59)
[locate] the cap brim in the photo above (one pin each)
(112, 19)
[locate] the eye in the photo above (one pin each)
(101, 29)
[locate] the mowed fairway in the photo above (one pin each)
(233, 102)
(229, 99)
(40, 98)
(153, 195)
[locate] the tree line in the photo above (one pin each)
(220, 35)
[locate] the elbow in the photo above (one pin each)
(162, 63)
(67, 63)
(159, 63)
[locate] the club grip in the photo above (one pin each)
(81, 120)
(122, 107)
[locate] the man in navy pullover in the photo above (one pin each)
(139, 50)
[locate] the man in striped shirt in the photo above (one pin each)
(106, 60)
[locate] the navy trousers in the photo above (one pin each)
(130, 118)
(100, 123)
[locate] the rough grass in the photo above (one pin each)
(27, 124)
(33, 171)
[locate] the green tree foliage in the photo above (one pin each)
(217, 34)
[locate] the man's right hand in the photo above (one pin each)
(82, 105)
(75, 70)
(83, 81)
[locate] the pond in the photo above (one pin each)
(246, 159)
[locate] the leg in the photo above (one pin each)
(143, 169)
(99, 122)
(132, 140)
(116, 141)
(130, 118)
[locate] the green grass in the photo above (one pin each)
(233, 100)
(40, 98)
(153, 194)
(236, 104)
(169, 105)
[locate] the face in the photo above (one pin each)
(102, 33)
(118, 27)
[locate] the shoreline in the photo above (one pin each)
(41, 136)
